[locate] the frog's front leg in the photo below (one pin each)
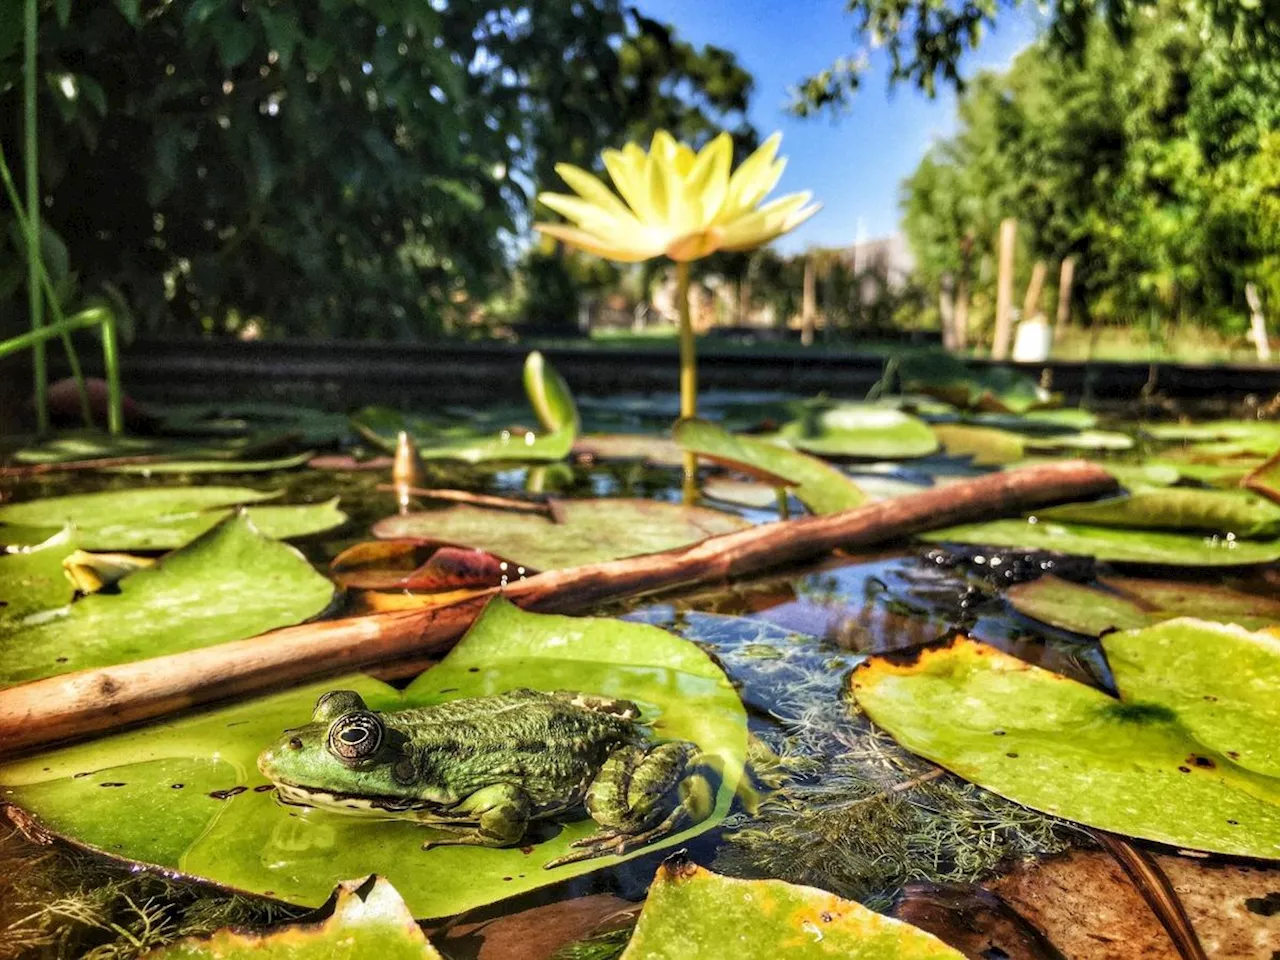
(500, 812)
(636, 785)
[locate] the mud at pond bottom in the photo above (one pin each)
(1084, 907)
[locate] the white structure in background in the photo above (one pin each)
(1033, 340)
(887, 259)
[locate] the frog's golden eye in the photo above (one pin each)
(355, 736)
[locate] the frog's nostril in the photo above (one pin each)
(295, 743)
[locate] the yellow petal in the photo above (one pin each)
(631, 249)
(684, 159)
(663, 145)
(752, 169)
(589, 216)
(628, 177)
(589, 187)
(709, 178)
(655, 179)
(770, 221)
(758, 189)
(695, 246)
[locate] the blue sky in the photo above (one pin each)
(853, 163)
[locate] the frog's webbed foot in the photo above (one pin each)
(635, 786)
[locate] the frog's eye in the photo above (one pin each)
(355, 736)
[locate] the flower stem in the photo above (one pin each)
(688, 361)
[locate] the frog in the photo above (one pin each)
(480, 769)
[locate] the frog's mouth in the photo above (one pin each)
(350, 803)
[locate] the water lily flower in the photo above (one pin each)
(681, 203)
(675, 202)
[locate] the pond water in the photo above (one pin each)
(830, 799)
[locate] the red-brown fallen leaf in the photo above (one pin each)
(424, 565)
(540, 932)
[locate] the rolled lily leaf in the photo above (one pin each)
(692, 912)
(552, 403)
(185, 794)
(231, 583)
(1236, 512)
(158, 518)
(1123, 603)
(819, 486)
(1112, 543)
(588, 531)
(365, 912)
(1177, 759)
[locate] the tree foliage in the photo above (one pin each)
(1153, 162)
(926, 39)
(334, 167)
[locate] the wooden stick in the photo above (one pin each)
(1004, 290)
(58, 708)
(540, 507)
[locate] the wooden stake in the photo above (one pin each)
(947, 311)
(962, 295)
(1257, 322)
(808, 306)
(1031, 303)
(1065, 279)
(91, 701)
(1004, 290)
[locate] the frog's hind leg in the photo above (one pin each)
(500, 814)
(632, 792)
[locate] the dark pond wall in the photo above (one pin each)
(342, 375)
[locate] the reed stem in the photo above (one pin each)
(35, 302)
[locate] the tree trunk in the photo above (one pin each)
(1065, 279)
(962, 295)
(947, 311)
(808, 308)
(1004, 290)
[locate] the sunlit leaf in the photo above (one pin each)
(870, 431)
(365, 916)
(158, 518)
(817, 484)
(692, 912)
(987, 446)
(1178, 508)
(1122, 603)
(1152, 764)
(589, 531)
(231, 583)
(32, 579)
(185, 794)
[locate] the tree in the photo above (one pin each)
(926, 39)
(354, 168)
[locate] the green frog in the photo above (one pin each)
(481, 768)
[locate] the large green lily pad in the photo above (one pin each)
(589, 531)
(1149, 765)
(231, 583)
(692, 912)
(1178, 508)
(367, 918)
(1112, 543)
(819, 486)
(864, 430)
(1123, 603)
(158, 518)
(224, 824)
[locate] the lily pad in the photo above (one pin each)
(369, 913)
(988, 446)
(158, 518)
(1237, 512)
(214, 466)
(659, 451)
(121, 794)
(869, 431)
(818, 485)
(548, 394)
(1084, 440)
(1112, 543)
(32, 579)
(589, 531)
(987, 388)
(1149, 767)
(231, 583)
(1123, 603)
(692, 912)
